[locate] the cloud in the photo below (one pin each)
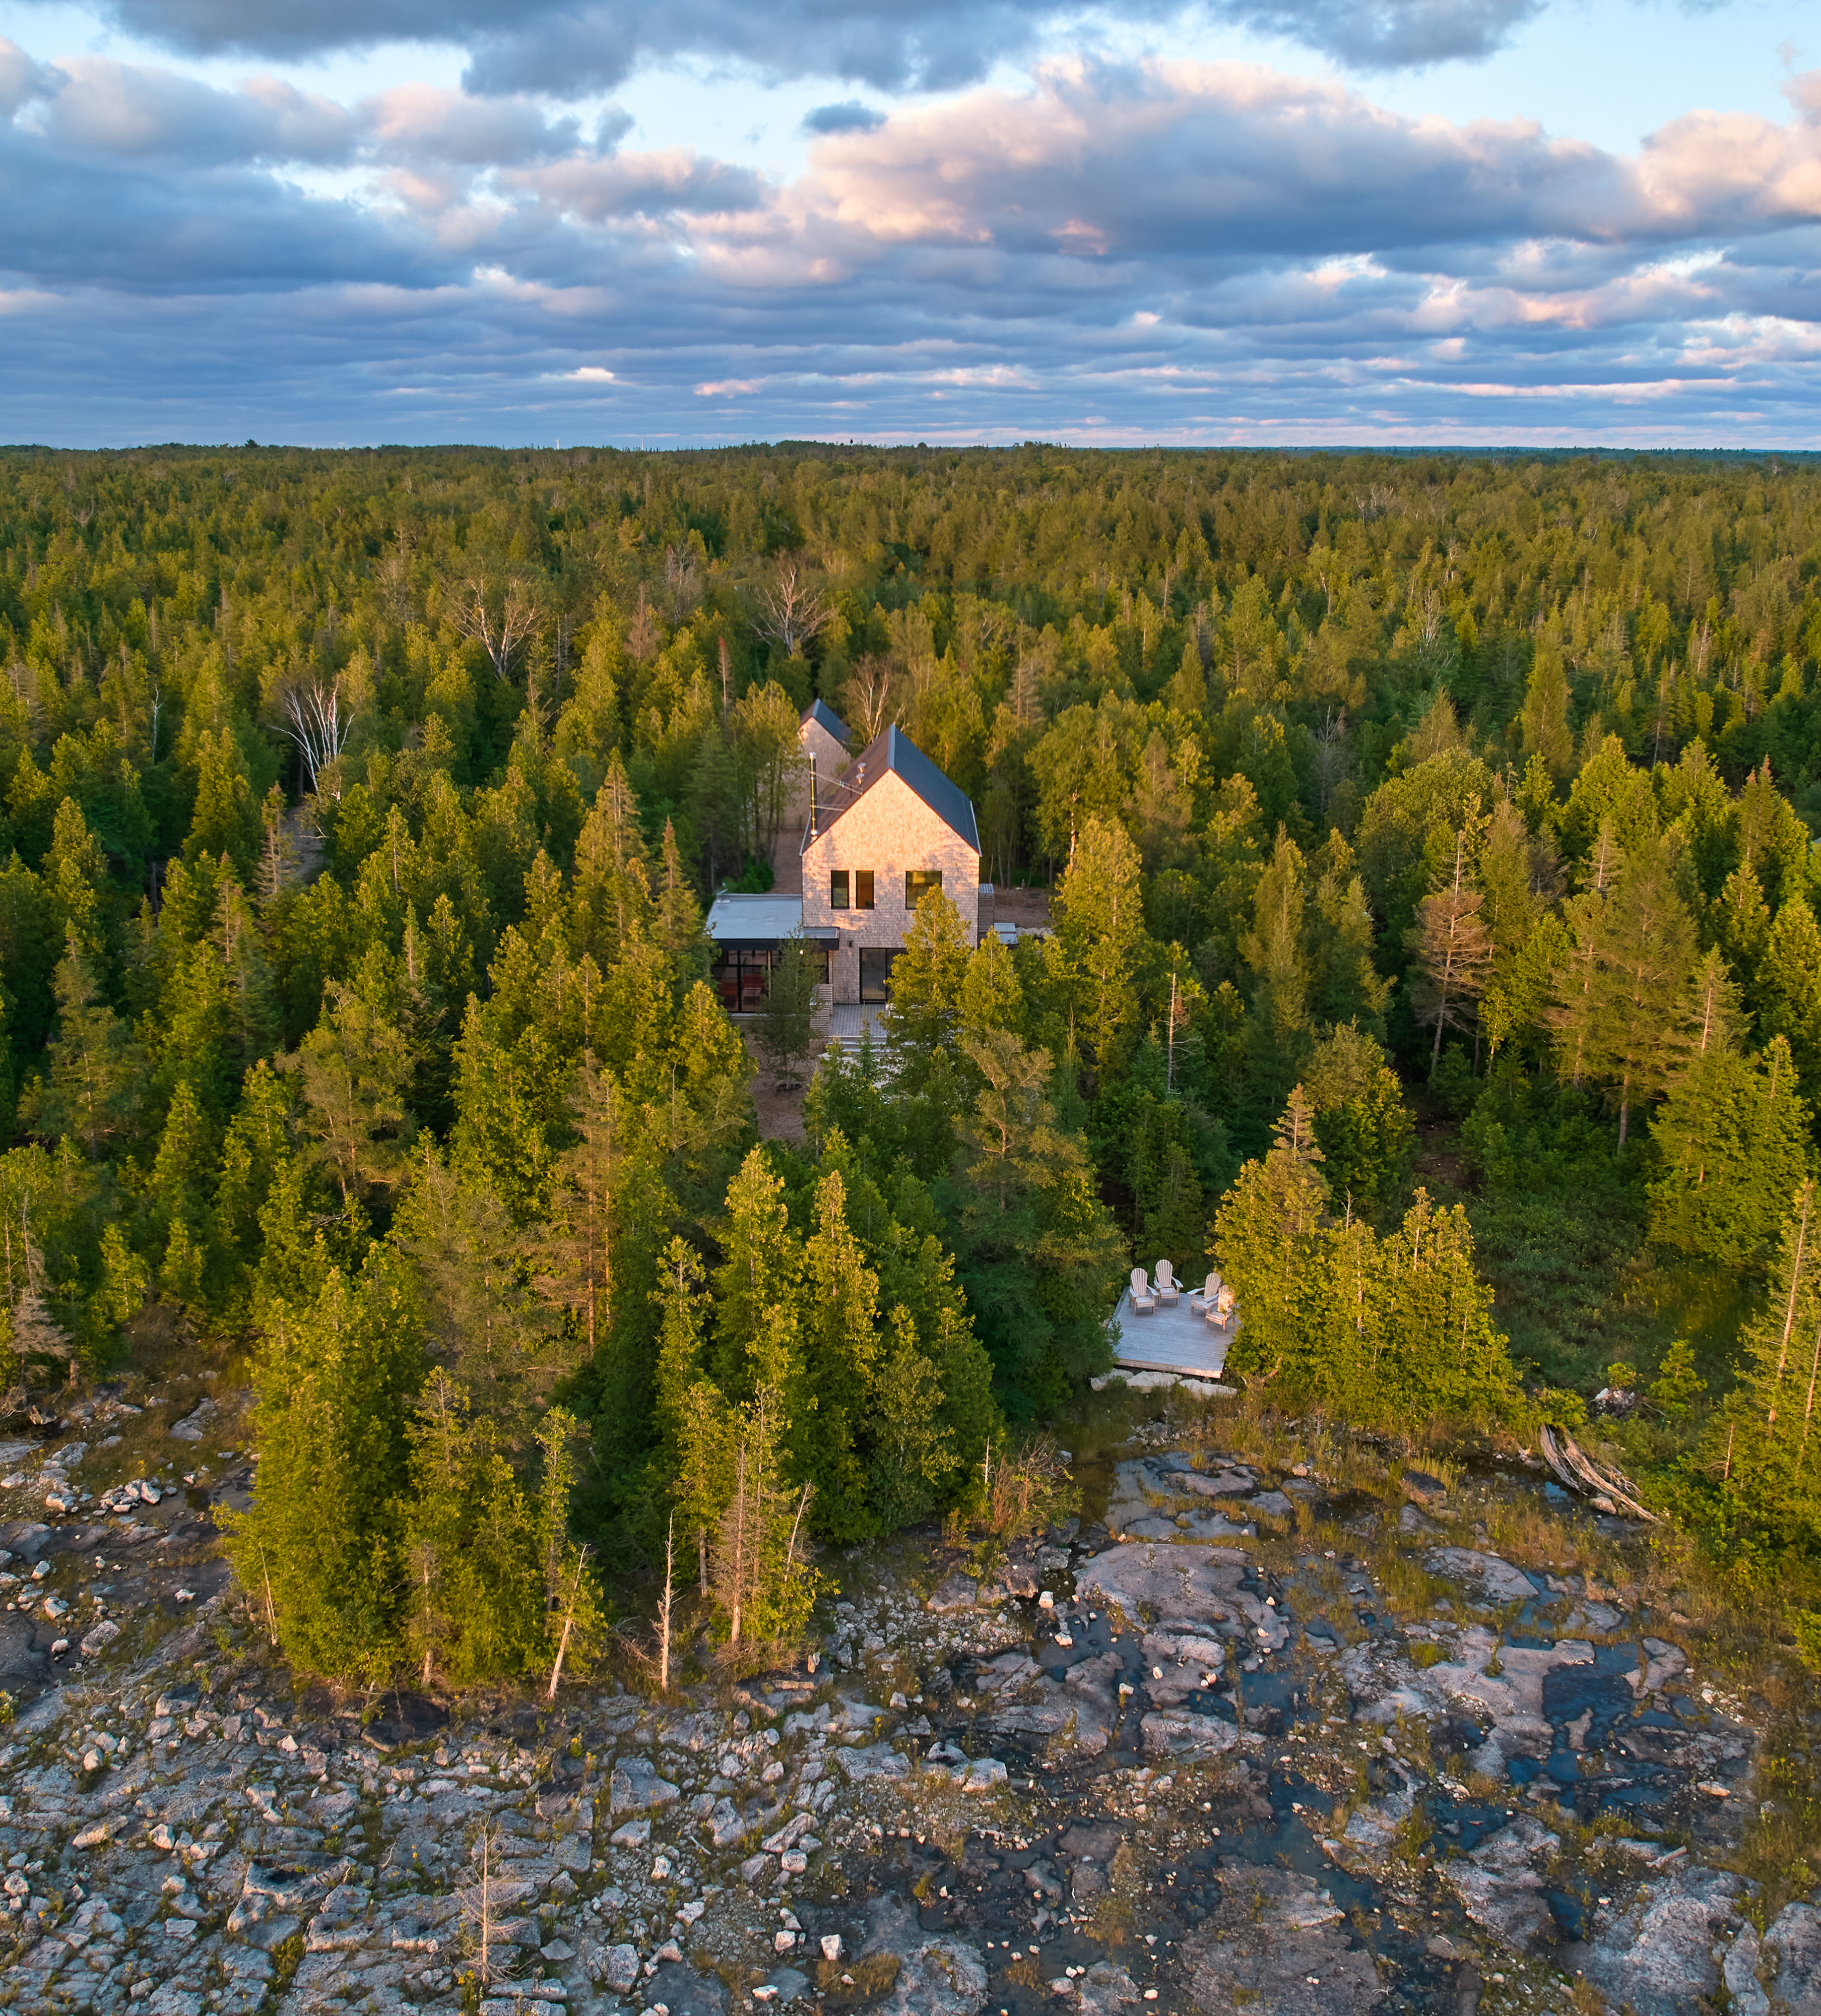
(1180, 251)
(21, 79)
(851, 118)
(95, 105)
(579, 48)
(1404, 33)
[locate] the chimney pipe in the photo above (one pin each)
(812, 794)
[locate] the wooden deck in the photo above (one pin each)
(1172, 1340)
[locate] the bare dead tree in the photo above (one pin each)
(867, 696)
(314, 721)
(682, 577)
(392, 570)
(642, 634)
(574, 1605)
(791, 610)
(665, 1607)
(478, 1904)
(501, 634)
(1333, 757)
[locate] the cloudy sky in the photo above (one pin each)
(1256, 222)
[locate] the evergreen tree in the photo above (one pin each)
(353, 1066)
(91, 1090)
(1766, 1444)
(785, 1034)
(928, 980)
(1035, 1248)
(318, 1550)
(1099, 922)
(1734, 1140)
(1453, 951)
(1267, 1240)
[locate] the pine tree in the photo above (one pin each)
(1036, 1248)
(483, 1323)
(91, 1093)
(575, 1249)
(354, 1067)
(840, 1356)
(1545, 708)
(760, 1567)
(1735, 1141)
(1267, 1241)
(1453, 950)
(317, 1552)
(1100, 923)
(758, 1285)
(928, 978)
(1767, 1443)
(1361, 1125)
(1789, 991)
(785, 1034)
(1622, 1008)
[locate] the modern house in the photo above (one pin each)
(877, 836)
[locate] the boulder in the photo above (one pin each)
(1658, 1954)
(635, 1786)
(1276, 1945)
(937, 1975)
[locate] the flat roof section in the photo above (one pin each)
(761, 923)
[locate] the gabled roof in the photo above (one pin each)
(825, 717)
(895, 753)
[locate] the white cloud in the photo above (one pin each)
(1139, 238)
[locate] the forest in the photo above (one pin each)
(1430, 846)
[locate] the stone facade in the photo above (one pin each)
(887, 829)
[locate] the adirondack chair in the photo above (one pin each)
(1201, 1301)
(1168, 1288)
(1143, 1303)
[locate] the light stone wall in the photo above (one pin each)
(889, 830)
(832, 760)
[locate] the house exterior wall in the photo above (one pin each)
(888, 829)
(831, 759)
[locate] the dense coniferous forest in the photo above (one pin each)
(1431, 845)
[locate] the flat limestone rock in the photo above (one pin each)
(1499, 1887)
(938, 1975)
(1192, 1584)
(1502, 1581)
(1792, 1945)
(1078, 1711)
(1183, 1735)
(1277, 1944)
(1658, 1955)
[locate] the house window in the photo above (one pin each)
(918, 883)
(837, 889)
(875, 972)
(862, 888)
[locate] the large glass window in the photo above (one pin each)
(837, 889)
(918, 883)
(741, 976)
(875, 972)
(862, 888)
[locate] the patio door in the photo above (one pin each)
(876, 973)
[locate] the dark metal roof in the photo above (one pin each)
(896, 753)
(818, 711)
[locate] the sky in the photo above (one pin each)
(1260, 223)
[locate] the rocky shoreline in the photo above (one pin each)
(1248, 1739)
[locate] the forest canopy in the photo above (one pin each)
(1430, 845)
